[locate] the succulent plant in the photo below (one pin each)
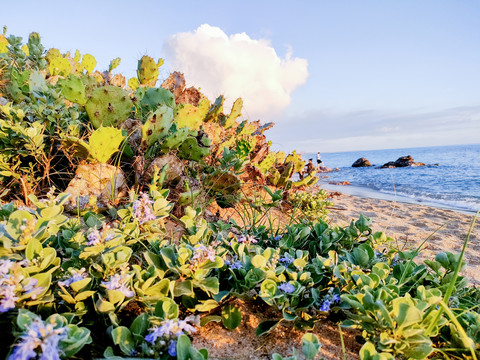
(297, 161)
(189, 116)
(175, 138)
(73, 89)
(191, 149)
(147, 70)
(108, 106)
(215, 109)
(157, 125)
(89, 62)
(234, 113)
(102, 144)
(149, 99)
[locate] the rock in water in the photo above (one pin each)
(402, 161)
(362, 162)
(95, 182)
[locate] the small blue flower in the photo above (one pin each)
(287, 259)
(336, 298)
(286, 288)
(325, 306)
(278, 237)
(236, 265)
(172, 348)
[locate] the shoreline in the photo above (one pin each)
(365, 192)
(410, 224)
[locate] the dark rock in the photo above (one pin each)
(362, 162)
(403, 161)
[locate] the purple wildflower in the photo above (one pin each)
(287, 259)
(247, 239)
(336, 298)
(94, 238)
(236, 265)
(286, 288)
(76, 275)
(201, 254)
(39, 337)
(117, 282)
(9, 297)
(142, 209)
(325, 306)
(277, 238)
(170, 328)
(172, 348)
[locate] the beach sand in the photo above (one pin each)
(408, 224)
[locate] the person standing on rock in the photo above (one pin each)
(319, 160)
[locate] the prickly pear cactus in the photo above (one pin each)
(267, 163)
(191, 149)
(297, 161)
(150, 99)
(234, 114)
(311, 179)
(286, 173)
(215, 109)
(108, 106)
(175, 138)
(59, 66)
(104, 142)
(89, 62)
(189, 116)
(147, 70)
(157, 125)
(273, 177)
(73, 89)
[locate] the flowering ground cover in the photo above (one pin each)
(98, 275)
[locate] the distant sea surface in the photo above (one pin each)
(453, 184)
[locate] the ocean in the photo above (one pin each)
(453, 184)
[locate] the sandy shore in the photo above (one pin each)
(411, 224)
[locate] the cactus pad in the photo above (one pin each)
(190, 149)
(147, 70)
(151, 99)
(108, 106)
(73, 89)
(157, 125)
(234, 114)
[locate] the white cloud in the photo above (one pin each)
(237, 66)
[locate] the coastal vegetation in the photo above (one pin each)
(132, 262)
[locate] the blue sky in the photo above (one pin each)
(332, 75)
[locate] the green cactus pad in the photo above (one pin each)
(147, 70)
(108, 106)
(152, 98)
(191, 150)
(157, 125)
(234, 114)
(174, 140)
(73, 89)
